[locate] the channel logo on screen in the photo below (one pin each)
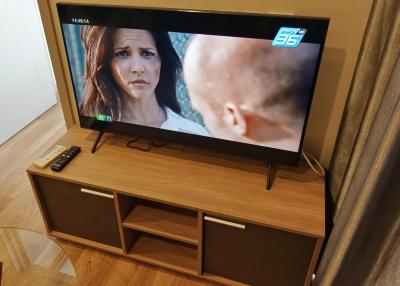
(289, 37)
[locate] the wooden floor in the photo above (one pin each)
(18, 208)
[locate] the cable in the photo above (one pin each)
(145, 149)
(321, 170)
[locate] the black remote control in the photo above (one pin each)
(65, 157)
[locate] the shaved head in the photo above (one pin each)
(251, 71)
(250, 91)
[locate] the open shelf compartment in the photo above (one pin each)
(160, 219)
(162, 251)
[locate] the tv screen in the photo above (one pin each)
(240, 83)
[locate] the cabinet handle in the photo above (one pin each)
(97, 193)
(225, 222)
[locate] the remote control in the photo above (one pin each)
(65, 157)
(45, 159)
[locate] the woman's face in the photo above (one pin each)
(136, 63)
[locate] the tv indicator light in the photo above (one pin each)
(103, 117)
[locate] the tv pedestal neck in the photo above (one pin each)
(194, 211)
(269, 175)
(97, 140)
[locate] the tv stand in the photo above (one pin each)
(198, 212)
(97, 140)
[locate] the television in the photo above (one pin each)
(234, 82)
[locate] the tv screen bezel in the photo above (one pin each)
(230, 24)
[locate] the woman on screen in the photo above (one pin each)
(130, 75)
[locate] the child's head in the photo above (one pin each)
(248, 90)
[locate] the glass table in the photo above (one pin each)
(31, 258)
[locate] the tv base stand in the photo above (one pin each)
(202, 213)
(97, 140)
(269, 175)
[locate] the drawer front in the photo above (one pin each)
(78, 210)
(255, 255)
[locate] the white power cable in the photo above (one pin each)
(317, 166)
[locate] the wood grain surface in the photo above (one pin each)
(167, 223)
(180, 257)
(198, 179)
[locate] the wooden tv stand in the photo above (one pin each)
(203, 213)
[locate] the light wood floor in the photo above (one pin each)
(18, 208)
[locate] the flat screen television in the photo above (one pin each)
(240, 83)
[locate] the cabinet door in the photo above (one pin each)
(80, 211)
(255, 255)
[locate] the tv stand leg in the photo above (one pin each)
(269, 175)
(96, 142)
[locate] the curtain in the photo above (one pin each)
(365, 169)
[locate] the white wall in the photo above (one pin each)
(27, 85)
